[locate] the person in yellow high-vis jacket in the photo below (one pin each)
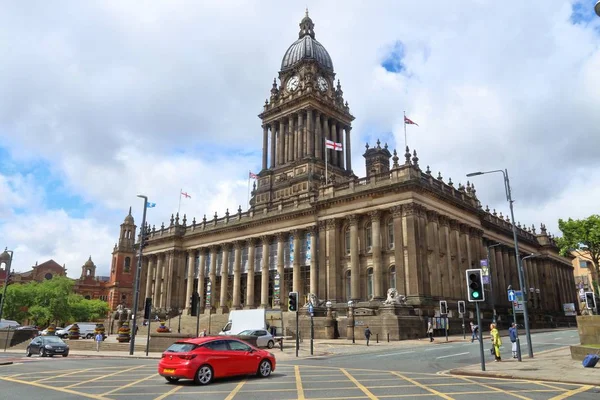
(496, 342)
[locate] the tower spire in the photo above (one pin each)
(306, 26)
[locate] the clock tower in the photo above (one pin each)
(304, 111)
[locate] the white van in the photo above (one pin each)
(241, 320)
(5, 323)
(86, 330)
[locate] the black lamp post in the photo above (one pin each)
(5, 258)
(179, 324)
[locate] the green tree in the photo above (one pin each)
(582, 236)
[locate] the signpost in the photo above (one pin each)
(311, 310)
(276, 289)
(513, 299)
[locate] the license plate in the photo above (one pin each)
(59, 350)
(168, 371)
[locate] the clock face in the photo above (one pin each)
(292, 84)
(322, 84)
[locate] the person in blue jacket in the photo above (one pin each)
(512, 333)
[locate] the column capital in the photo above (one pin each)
(454, 224)
(444, 220)
(265, 239)
(409, 209)
(332, 223)
(433, 216)
(296, 232)
(476, 232)
(464, 228)
(226, 246)
(281, 236)
(251, 242)
(322, 224)
(213, 248)
(191, 252)
(312, 229)
(396, 211)
(374, 215)
(353, 219)
(238, 244)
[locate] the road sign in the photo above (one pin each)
(511, 295)
(311, 310)
(519, 302)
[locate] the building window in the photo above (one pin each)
(368, 237)
(392, 277)
(347, 240)
(583, 264)
(48, 276)
(207, 265)
(273, 256)
(231, 262)
(257, 259)
(127, 264)
(87, 297)
(390, 230)
(245, 260)
(348, 285)
(219, 262)
(370, 283)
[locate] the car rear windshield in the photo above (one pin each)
(181, 347)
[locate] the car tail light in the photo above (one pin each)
(163, 356)
(187, 356)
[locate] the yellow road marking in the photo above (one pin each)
(422, 386)
(129, 384)
(299, 388)
(170, 392)
(572, 392)
(235, 390)
(58, 389)
(359, 385)
(101, 377)
(494, 389)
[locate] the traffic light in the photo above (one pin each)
(475, 285)
(194, 300)
(461, 307)
(590, 300)
(293, 301)
(443, 307)
(148, 308)
(144, 240)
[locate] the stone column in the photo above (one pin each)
(291, 139)
(201, 277)
(296, 264)
(310, 133)
(212, 273)
(500, 270)
(325, 135)
(314, 273)
(250, 276)
(433, 260)
(299, 137)
(169, 279)
(322, 254)
(349, 155)
(158, 281)
(423, 248)
(412, 269)
(376, 253)
(273, 155)
(150, 275)
(284, 143)
(264, 281)
(319, 137)
(189, 289)
(458, 288)
(223, 307)
(281, 241)
(398, 249)
(279, 142)
(354, 259)
(445, 257)
(334, 137)
(265, 146)
(332, 261)
(237, 275)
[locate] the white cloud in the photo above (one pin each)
(122, 100)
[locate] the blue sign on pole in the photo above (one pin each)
(310, 309)
(511, 295)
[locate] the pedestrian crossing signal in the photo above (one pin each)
(475, 285)
(293, 301)
(461, 307)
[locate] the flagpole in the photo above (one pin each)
(405, 143)
(179, 207)
(326, 174)
(248, 198)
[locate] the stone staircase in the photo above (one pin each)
(188, 324)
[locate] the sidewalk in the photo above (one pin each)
(553, 365)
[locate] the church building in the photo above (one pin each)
(316, 228)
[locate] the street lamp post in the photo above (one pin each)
(491, 283)
(179, 324)
(351, 317)
(525, 298)
(138, 273)
(5, 258)
(519, 266)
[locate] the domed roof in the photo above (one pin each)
(306, 48)
(89, 262)
(129, 218)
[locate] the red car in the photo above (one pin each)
(205, 358)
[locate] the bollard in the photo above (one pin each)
(281, 344)
(377, 337)
(388, 337)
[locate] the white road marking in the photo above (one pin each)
(395, 354)
(439, 348)
(452, 355)
(552, 344)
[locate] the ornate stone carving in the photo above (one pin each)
(353, 219)
(393, 297)
(375, 215)
(238, 244)
(312, 229)
(265, 239)
(322, 225)
(444, 220)
(409, 209)
(331, 223)
(464, 229)
(314, 301)
(433, 216)
(281, 236)
(454, 224)
(251, 241)
(396, 211)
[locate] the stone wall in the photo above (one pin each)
(588, 327)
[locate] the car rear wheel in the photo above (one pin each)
(42, 352)
(171, 379)
(264, 369)
(271, 344)
(88, 336)
(28, 352)
(204, 375)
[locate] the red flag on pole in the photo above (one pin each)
(410, 122)
(186, 195)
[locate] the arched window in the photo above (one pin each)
(88, 297)
(368, 237)
(348, 285)
(127, 267)
(370, 283)
(347, 240)
(392, 277)
(390, 233)
(48, 276)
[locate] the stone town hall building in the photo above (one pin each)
(349, 238)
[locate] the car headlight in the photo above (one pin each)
(48, 347)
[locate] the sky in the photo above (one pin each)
(104, 100)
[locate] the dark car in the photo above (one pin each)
(47, 346)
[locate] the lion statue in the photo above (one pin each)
(394, 298)
(314, 300)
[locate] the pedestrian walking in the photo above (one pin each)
(367, 334)
(512, 334)
(474, 332)
(496, 342)
(430, 331)
(98, 339)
